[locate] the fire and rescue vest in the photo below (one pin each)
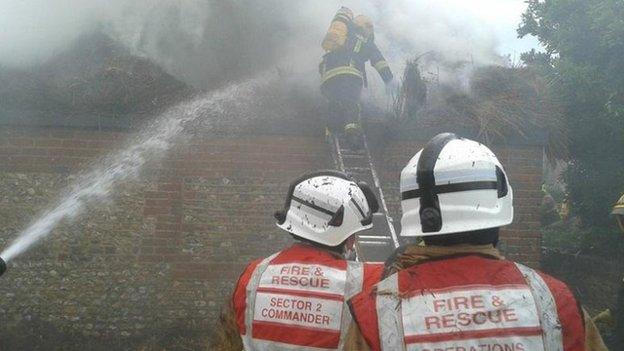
(469, 303)
(296, 299)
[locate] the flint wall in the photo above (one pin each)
(161, 257)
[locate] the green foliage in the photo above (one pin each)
(601, 241)
(555, 191)
(584, 60)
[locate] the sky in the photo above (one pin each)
(487, 24)
(502, 18)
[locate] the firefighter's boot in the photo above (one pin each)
(353, 137)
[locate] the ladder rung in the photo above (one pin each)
(374, 237)
(363, 157)
(357, 169)
(379, 243)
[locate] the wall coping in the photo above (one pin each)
(129, 123)
(533, 138)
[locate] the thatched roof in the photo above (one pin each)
(94, 75)
(501, 103)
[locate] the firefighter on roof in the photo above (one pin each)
(457, 292)
(349, 44)
(295, 298)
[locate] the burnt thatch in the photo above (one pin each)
(501, 103)
(412, 92)
(95, 75)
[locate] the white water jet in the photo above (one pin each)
(97, 183)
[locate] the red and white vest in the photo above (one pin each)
(469, 303)
(296, 299)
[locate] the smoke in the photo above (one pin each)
(207, 43)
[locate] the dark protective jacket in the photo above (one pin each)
(619, 318)
(350, 60)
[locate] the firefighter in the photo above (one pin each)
(457, 292)
(548, 208)
(618, 212)
(349, 44)
(564, 213)
(296, 297)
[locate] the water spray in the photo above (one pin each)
(97, 184)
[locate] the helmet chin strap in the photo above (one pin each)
(348, 247)
(343, 249)
(350, 255)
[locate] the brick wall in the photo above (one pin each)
(163, 254)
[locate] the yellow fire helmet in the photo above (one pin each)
(618, 211)
(365, 25)
(338, 30)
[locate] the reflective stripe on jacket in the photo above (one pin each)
(469, 303)
(295, 299)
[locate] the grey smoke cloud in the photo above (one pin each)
(209, 42)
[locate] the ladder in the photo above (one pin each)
(377, 243)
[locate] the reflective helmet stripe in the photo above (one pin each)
(546, 308)
(364, 216)
(342, 18)
(311, 205)
(344, 14)
(451, 188)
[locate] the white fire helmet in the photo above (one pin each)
(454, 185)
(327, 207)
